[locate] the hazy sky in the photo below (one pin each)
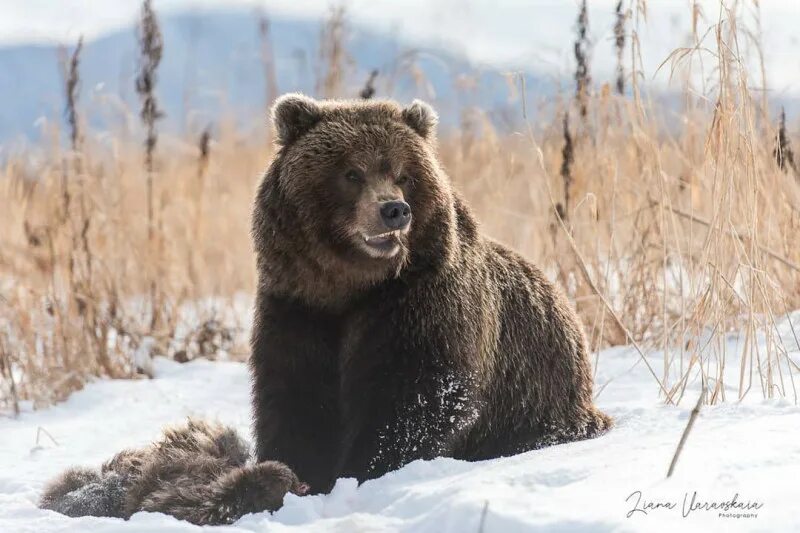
(535, 34)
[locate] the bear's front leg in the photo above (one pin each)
(295, 382)
(399, 403)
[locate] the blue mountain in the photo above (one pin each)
(212, 67)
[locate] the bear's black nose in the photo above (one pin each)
(395, 214)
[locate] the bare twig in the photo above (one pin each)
(567, 160)
(581, 49)
(783, 153)
(484, 512)
(7, 371)
(619, 44)
(333, 54)
(41, 431)
(369, 87)
(268, 60)
(71, 85)
(151, 48)
(686, 430)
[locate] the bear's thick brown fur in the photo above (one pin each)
(373, 346)
(198, 472)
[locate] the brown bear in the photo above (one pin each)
(387, 327)
(198, 472)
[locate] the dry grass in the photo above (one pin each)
(667, 236)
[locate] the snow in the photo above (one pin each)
(750, 449)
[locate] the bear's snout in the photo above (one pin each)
(396, 214)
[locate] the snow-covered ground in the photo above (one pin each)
(746, 450)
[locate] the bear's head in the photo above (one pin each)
(354, 195)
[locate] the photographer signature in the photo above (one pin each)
(733, 507)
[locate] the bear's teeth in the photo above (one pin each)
(380, 236)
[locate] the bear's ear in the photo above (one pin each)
(421, 118)
(294, 114)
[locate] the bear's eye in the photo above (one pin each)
(402, 179)
(354, 175)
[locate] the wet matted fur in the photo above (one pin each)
(199, 472)
(449, 344)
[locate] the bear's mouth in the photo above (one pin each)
(385, 244)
